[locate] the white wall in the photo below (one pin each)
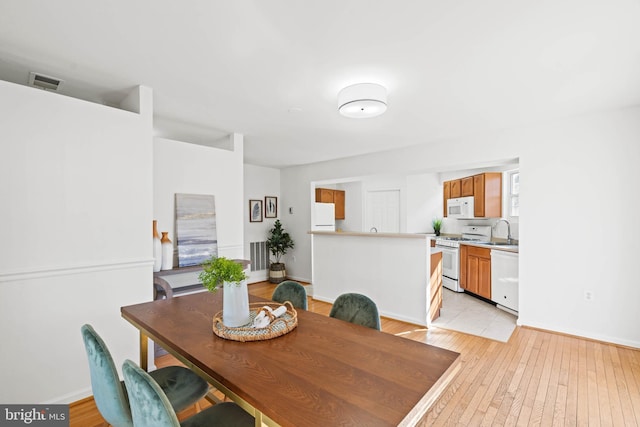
(76, 239)
(181, 167)
(260, 182)
(353, 205)
(586, 164)
(424, 202)
(590, 163)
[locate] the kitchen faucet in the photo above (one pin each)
(508, 229)
(373, 230)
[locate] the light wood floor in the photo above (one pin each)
(537, 378)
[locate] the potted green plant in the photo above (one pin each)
(278, 242)
(436, 223)
(220, 271)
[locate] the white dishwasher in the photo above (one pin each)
(504, 279)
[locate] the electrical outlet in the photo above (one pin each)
(588, 295)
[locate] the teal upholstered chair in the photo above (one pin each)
(291, 291)
(356, 308)
(151, 408)
(182, 386)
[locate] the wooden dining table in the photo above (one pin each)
(325, 372)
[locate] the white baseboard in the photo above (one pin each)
(581, 334)
(70, 397)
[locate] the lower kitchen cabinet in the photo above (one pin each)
(476, 263)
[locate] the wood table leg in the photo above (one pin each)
(144, 350)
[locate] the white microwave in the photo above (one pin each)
(460, 208)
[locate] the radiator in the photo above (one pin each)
(259, 256)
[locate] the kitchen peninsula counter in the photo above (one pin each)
(392, 269)
(373, 234)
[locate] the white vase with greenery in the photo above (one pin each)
(229, 274)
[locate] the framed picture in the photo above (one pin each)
(196, 231)
(270, 207)
(255, 210)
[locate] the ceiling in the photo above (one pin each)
(271, 69)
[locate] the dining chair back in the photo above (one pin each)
(150, 407)
(108, 392)
(182, 386)
(356, 308)
(291, 291)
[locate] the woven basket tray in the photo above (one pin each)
(278, 327)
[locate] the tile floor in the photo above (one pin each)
(464, 313)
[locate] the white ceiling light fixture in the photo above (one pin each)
(362, 100)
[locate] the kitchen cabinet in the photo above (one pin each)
(466, 186)
(435, 286)
(456, 188)
(446, 192)
(324, 195)
(475, 270)
(487, 195)
(486, 189)
(337, 197)
(462, 267)
(451, 190)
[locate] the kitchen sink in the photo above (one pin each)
(499, 244)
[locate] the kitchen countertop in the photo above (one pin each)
(509, 248)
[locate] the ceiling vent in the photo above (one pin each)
(44, 82)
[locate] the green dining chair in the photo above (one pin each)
(291, 291)
(182, 386)
(356, 308)
(150, 406)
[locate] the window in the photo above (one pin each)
(514, 193)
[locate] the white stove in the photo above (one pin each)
(451, 252)
(454, 242)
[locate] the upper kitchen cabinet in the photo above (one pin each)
(486, 189)
(456, 188)
(324, 195)
(328, 195)
(452, 189)
(487, 195)
(338, 199)
(446, 191)
(466, 186)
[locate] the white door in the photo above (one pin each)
(383, 211)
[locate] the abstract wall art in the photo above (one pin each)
(195, 228)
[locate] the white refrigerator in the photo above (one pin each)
(323, 217)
